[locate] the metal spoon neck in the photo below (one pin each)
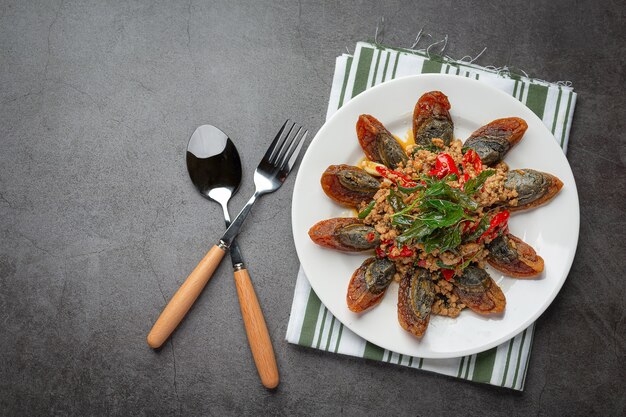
(226, 213)
(234, 227)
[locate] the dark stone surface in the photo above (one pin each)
(99, 223)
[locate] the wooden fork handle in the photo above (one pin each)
(184, 298)
(256, 329)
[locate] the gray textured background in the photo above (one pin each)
(99, 223)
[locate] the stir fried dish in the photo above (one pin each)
(433, 214)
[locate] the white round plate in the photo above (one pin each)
(551, 229)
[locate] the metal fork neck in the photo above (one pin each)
(234, 227)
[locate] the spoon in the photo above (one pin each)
(215, 169)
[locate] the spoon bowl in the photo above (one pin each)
(214, 165)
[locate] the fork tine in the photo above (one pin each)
(284, 142)
(278, 157)
(290, 160)
(275, 142)
(285, 151)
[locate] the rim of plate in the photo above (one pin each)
(408, 79)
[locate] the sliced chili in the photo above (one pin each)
(447, 274)
(390, 174)
(444, 165)
(497, 223)
(469, 226)
(405, 252)
(471, 157)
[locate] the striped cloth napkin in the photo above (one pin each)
(310, 323)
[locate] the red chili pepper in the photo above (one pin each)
(381, 253)
(469, 226)
(390, 245)
(405, 252)
(421, 263)
(390, 173)
(447, 274)
(382, 171)
(497, 223)
(370, 236)
(444, 165)
(471, 157)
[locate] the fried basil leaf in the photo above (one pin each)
(442, 239)
(441, 213)
(473, 184)
(417, 231)
(395, 201)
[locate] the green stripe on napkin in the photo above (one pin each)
(312, 325)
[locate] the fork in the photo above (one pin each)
(271, 173)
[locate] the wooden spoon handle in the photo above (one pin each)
(256, 329)
(184, 298)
